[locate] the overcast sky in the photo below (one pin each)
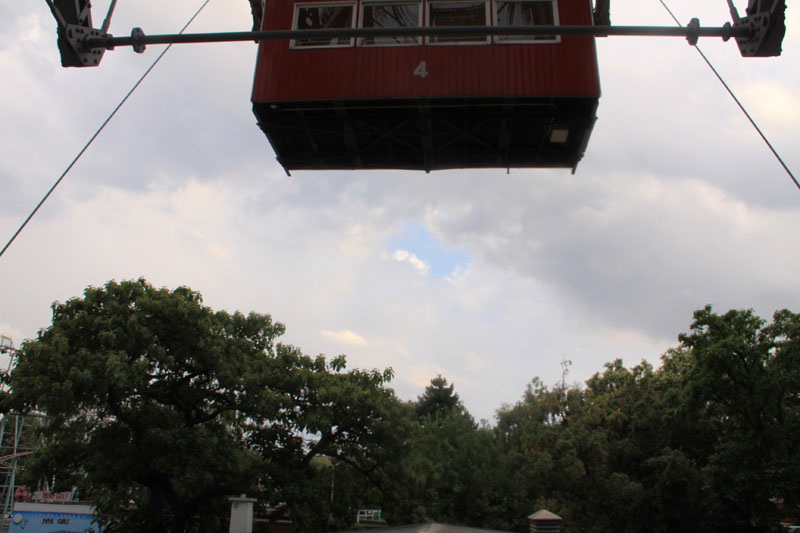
(487, 278)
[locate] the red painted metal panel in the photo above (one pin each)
(564, 69)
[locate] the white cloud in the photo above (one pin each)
(773, 104)
(345, 337)
(407, 257)
(474, 363)
(218, 251)
(458, 275)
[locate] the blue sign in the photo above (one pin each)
(51, 522)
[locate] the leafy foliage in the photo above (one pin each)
(439, 399)
(157, 401)
(706, 442)
(159, 407)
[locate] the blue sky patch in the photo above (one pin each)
(417, 240)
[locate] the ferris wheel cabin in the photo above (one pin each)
(426, 103)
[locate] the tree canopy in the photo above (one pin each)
(159, 407)
(439, 399)
(707, 442)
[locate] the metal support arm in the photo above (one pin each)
(138, 39)
(758, 34)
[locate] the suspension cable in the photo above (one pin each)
(96, 133)
(735, 99)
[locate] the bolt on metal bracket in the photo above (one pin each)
(76, 37)
(767, 29)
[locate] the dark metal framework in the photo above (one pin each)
(429, 134)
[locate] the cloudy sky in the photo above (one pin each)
(487, 278)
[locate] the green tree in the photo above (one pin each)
(599, 456)
(453, 469)
(558, 452)
(160, 407)
(709, 441)
(342, 426)
(439, 398)
(744, 376)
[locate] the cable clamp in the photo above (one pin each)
(137, 40)
(693, 31)
(727, 30)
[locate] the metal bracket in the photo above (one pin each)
(76, 37)
(602, 13)
(257, 10)
(767, 27)
(74, 28)
(137, 40)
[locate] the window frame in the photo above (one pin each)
(424, 17)
(415, 41)
(525, 39)
(488, 22)
(293, 44)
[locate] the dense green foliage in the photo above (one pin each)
(157, 401)
(706, 442)
(438, 400)
(160, 407)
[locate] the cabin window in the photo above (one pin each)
(318, 16)
(444, 13)
(526, 13)
(390, 15)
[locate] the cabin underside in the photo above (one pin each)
(428, 134)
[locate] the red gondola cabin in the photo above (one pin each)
(426, 103)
